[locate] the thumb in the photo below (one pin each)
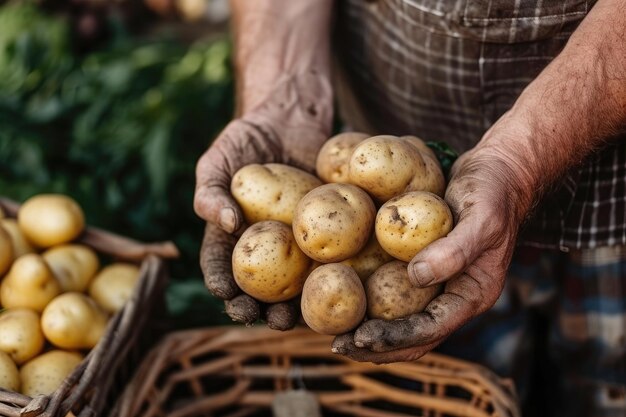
(449, 256)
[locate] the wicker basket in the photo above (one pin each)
(99, 379)
(238, 371)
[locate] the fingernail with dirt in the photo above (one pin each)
(227, 219)
(422, 274)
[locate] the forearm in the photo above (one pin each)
(276, 39)
(571, 108)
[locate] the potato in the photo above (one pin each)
(6, 251)
(333, 299)
(20, 334)
(51, 219)
(270, 191)
(334, 222)
(390, 294)
(114, 285)
(371, 257)
(44, 374)
(73, 321)
(268, 264)
(333, 158)
(30, 284)
(420, 145)
(9, 375)
(73, 265)
(408, 223)
(21, 245)
(386, 166)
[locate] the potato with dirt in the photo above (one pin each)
(270, 191)
(50, 219)
(29, 283)
(114, 285)
(333, 299)
(334, 222)
(20, 334)
(390, 294)
(9, 375)
(386, 166)
(334, 156)
(369, 259)
(408, 223)
(73, 265)
(73, 321)
(268, 264)
(45, 373)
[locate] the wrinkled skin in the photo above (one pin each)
(471, 261)
(288, 127)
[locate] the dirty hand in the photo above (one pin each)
(288, 127)
(489, 200)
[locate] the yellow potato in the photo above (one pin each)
(420, 145)
(73, 265)
(73, 321)
(268, 264)
(30, 284)
(21, 246)
(44, 374)
(371, 257)
(390, 294)
(333, 299)
(334, 222)
(51, 219)
(6, 252)
(270, 191)
(334, 156)
(408, 223)
(386, 166)
(9, 375)
(114, 285)
(20, 334)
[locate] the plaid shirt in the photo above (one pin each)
(448, 69)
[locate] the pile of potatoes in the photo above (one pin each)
(55, 299)
(341, 240)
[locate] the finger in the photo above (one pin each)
(282, 316)
(449, 256)
(463, 299)
(215, 262)
(344, 345)
(241, 143)
(243, 309)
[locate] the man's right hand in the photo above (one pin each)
(288, 127)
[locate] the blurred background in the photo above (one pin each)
(112, 102)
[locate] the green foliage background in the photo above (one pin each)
(119, 130)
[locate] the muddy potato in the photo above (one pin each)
(29, 283)
(333, 157)
(408, 223)
(21, 245)
(73, 321)
(114, 285)
(390, 294)
(369, 259)
(268, 264)
(50, 219)
(9, 375)
(386, 166)
(45, 373)
(73, 265)
(333, 299)
(334, 222)
(6, 252)
(20, 334)
(270, 191)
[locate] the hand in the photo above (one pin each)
(489, 201)
(288, 127)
